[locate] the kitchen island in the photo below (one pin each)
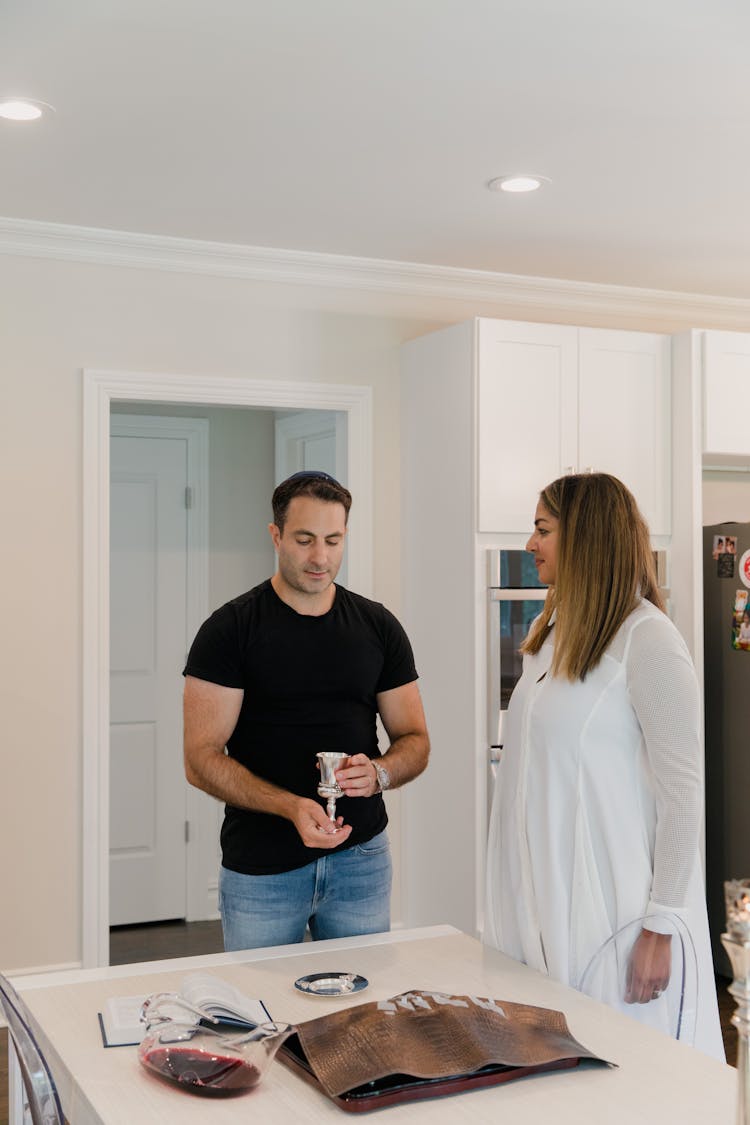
(656, 1079)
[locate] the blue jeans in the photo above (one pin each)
(342, 894)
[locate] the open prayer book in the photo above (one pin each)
(120, 1018)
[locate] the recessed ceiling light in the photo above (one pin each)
(22, 109)
(518, 183)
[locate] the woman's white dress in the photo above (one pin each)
(597, 811)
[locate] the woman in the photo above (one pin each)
(598, 802)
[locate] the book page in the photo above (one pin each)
(219, 998)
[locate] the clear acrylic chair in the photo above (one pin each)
(674, 1011)
(41, 1093)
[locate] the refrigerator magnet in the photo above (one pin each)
(725, 566)
(741, 615)
(745, 569)
(741, 631)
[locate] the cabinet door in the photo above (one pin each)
(526, 417)
(726, 379)
(624, 423)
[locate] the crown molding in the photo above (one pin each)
(28, 238)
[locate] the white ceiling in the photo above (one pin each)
(371, 127)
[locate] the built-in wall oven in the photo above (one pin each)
(515, 597)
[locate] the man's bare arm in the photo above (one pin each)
(403, 718)
(210, 716)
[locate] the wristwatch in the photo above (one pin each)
(382, 777)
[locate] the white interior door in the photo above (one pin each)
(312, 439)
(148, 628)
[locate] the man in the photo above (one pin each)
(296, 666)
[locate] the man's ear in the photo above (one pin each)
(275, 534)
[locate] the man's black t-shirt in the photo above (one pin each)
(310, 684)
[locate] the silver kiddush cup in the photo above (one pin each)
(736, 941)
(328, 786)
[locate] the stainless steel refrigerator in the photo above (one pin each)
(726, 612)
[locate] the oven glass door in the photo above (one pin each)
(514, 622)
(515, 598)
(511, 614)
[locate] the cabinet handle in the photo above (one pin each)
(589, 469)
(569, 470)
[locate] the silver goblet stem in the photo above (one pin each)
(738, 952)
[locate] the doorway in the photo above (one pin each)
(101, 390)
(189, 499)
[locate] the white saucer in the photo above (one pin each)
(331, 984)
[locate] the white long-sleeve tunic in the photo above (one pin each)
(597, 810)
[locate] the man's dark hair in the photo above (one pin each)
(319, 485)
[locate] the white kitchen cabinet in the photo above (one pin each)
(527, 417)
(553, 400)
(726, 382)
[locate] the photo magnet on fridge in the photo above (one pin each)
(741, 622)
(745, 569)
(725, 566)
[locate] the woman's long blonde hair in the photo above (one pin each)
(604, 565)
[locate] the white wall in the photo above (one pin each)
(59, 317)
(726, 496)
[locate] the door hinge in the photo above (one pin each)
(188, 496)
(187, 831)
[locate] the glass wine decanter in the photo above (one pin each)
(200, 1058)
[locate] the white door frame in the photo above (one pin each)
(102, 389)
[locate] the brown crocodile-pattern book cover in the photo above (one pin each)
(421, 1044)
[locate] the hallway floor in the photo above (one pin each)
(128, 944)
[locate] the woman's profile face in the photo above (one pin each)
(543, 544)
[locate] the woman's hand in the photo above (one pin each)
(649, 967)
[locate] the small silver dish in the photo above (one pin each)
(331, 984)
